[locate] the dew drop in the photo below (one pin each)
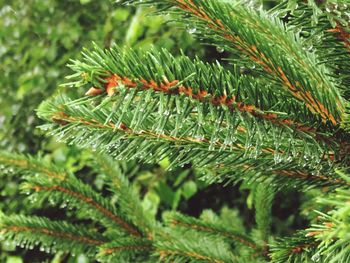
(191, 30)
(220, 49)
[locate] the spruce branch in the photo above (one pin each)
(219, 88)
(181, 247)
(327, 239)
(151, 145)
(263, 199)
(159, 113)
(129, 202)
(191, 223)
(52, 235)
(233, 92)
(253, 34)
(176, 88)
(48, 181)
(332, 228)
(83, 198)
(126, 249)
(297, 248)
(27, 164)
(286, 124)
(326, 36)
(168, 244)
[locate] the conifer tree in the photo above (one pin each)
(275, 116)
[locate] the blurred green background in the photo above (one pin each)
(37, 39)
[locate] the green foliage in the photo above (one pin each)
(263, 198)
(149, 104)
(272, 116)
(50, 235)
(327, 240)
(287, 63)
(39, 37)
(215, 228)
(116, 230)
(326, 33)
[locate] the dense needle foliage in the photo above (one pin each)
(166, 138)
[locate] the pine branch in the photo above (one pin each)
(52, 235)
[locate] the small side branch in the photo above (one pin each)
(165, 253)
(119, 221)
(52, 233)
(23, 163)
(208, 229)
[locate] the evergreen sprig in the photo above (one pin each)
(278, 117)
(180, 247)
(217, 229)
(252, 33)
(176, 240)
(12, 163)
(74, 193)
(327, 240)
(128, 199)
(84, 128)
(325, 34)
(51, 236)
(165, 112)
